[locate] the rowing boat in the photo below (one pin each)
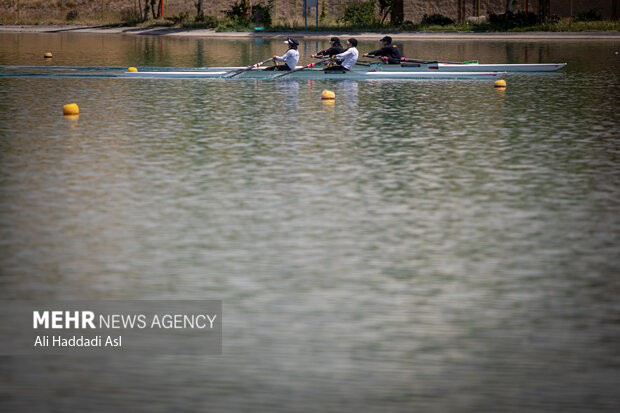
(316, 74)
(444, 67)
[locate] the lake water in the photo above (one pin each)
(424, 246)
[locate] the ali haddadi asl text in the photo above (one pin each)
(78, 341)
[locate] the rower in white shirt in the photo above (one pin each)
(349, 57)
(291, 57)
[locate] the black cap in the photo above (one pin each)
(352, 41)
(292, 41)
(334, 39)
(386, 39)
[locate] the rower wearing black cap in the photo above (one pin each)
(388, 50)
(334, 49)
(348, 57)
(291, 57)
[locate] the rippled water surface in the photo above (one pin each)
(414, 246)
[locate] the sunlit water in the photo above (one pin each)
(416, 246)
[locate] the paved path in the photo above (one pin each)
(180, 32)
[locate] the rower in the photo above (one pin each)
(388, 50)
(334, 49)
(349, 57)
(291, 57)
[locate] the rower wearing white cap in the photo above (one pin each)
(291, 57)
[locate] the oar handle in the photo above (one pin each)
(239, 71)
(301, 68)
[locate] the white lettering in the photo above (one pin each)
(75, 319)
(87, 319)
(56, 319)
(38, 319)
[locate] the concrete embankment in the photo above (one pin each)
(181, 32)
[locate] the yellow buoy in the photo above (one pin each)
(47, 55)
(132, 69)
(500, 83)
(70, 109)
(328, 94)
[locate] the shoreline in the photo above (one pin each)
(211, 33)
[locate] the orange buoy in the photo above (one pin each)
(70, 109)
(328, 94)
(500, 83)
(132, 69)
(47, 55)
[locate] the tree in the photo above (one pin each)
(398, 12)
(393, 8)
(510, 5)
(385, 8)
(200, 9)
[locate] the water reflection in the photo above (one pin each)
(290, 90)
(348, 93)
(415, 247)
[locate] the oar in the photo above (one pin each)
(423, 61)
(301, 68)
(403, 59)
(358, 63)
(246, 69)
(406, 59)
(366, 63)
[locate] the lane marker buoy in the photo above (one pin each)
(328, 94)
(70, 109)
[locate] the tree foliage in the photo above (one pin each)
(385, 8)
(244, 12)
(362, 12)
(589, 15)
(436, 20)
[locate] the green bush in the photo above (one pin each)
(231, 25)
(240, 12)
(436, 20)
(130, 16)
(179, 19)
(72, 15)
(206, 21)
(360, 13)
(510, 20)
(589, 15)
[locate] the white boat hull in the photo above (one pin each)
(445, 67)
(317, 74)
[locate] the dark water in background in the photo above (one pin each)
(418, 246)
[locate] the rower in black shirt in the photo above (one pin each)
(334, 49)
(388, 50)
